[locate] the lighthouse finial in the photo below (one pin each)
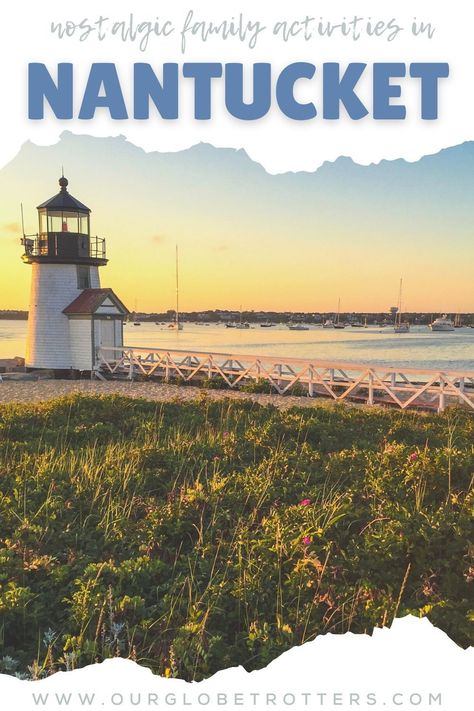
(63, 182)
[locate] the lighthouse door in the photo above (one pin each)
(107, 333)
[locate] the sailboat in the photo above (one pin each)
(400, 326)
(176, 325)
(242, 324)
(135, 320)
(338, 323)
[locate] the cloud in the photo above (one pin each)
(12, 227)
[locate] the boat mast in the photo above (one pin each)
(338, 309)
(177, 291)
(398, 317)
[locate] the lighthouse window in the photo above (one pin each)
(84, 224)
(67, 222)
(43, 222)
(83, 277)
(55, 222)
(70, 222)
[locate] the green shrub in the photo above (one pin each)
(261, 385)
(195, 536)
(216, 382)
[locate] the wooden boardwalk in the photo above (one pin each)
(399, 387)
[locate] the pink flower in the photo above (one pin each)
(225, 434)
(307, 540)
(305, 502)
(413, 457)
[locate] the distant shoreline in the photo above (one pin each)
(14, 316)
(217, 317)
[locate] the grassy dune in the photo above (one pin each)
(196, 536)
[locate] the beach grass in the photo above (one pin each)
(194, 536)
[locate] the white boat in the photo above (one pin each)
(399, 325)
(267, 324)
(442, 324)
(329, 323)
(298, 327)
(176, 325)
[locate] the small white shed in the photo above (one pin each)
(96, 319)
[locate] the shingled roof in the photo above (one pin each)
(89, 301)
(64, 200)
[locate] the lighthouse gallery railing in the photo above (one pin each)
(340, 381)
(64, 245)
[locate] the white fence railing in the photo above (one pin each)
(369, 383)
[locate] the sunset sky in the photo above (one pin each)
(289, 242)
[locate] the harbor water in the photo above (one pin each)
(421, 348)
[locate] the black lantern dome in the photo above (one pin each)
(64, 232)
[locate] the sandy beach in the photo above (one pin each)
(43, 390)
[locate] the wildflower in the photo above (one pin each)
(413, 457)
(216, 458)
(225, 435)
(305, 502)
(307, 540)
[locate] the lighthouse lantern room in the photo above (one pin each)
(70, 316)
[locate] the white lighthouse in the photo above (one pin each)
(70, 316)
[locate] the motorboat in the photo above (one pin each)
(442, 324)
(298, 327)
